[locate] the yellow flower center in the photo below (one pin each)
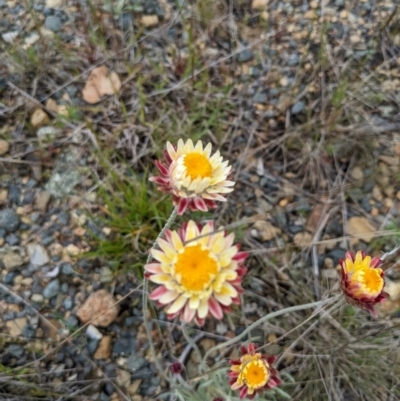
(197, 165)
(370, 279)
(196, 268)
(254, 373)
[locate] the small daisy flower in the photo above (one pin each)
(253, 372)
(199, 272)
(194, 178)
(362, 280)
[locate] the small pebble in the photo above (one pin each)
(51, 289)
(53, 23)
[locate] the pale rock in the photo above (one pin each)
(15, 326)
(331, 274)
(54, 3)
(3, 195)
(392, 288)
(388, 190)
(52, 105)
(361, 229)
(72, 250)
(105, 275)
(38, 255)
(390, 160)
(12, 260)
(123, 378)
(42, 200)
(38, 298)
(9, 37)
(377, 193)
(31, 39)
(357, 173)
(39, 118)
(99, 309)
(302, 239)
(266, 230)
(47, 133)
(259, 4)
(63, 110)
(355, 38)
(93, 333)
(4, 147)
(103, 350)
(134, 387)
(329, 263)
(27, 281)
(149, 20)
(314, 218)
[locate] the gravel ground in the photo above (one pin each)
(300, 198)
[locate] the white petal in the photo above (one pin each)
(167, 248)
(228, 290)
(202, 185)
(176, 241)
(202, 310)
(160, 256)
(188, 146)
(160, 278)
(199, 147)
(192, 231)
(194, 184)
(171, 151)
(207, 150)
(178, 304)
(168, 297)
(217, 244)
(194, 302)
(223, 299)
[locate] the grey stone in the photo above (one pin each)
(67, 269)
(16, 350)
(298, 107)
(92, 345)
(53, 23)
(9, 220)
(260, 98)
(13, 194)
(9, 278)
(221, 328)
(294, 229)
(12, 239)
(136, 362)
(38, 256)
(72, 321)
(52, 289)
(125, 344)
(68, 303)
(28, 331)
(62, 184)
(245, 56)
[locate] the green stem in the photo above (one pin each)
(190, 340)
(145, 294)
(260, 321)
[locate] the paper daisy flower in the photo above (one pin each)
(253, 372)
(362, 280)
(199, 272)
(194, 178)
